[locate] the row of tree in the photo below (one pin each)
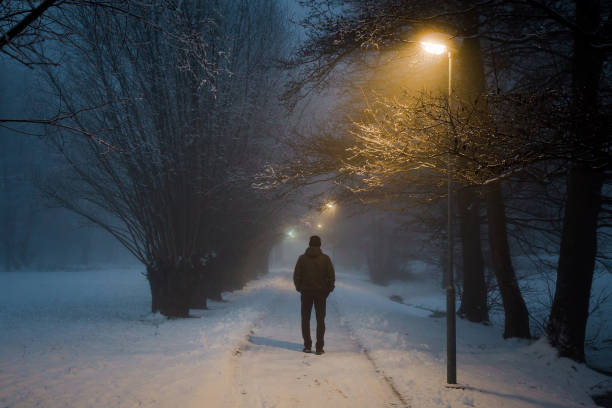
(529, 111)
(177, 105)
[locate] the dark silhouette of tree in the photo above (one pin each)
(570, 308)
(190, 115)
(373, 26)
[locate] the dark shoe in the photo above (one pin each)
(307, 350)
(319, 352)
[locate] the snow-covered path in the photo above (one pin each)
(85, 340)
(271, 370)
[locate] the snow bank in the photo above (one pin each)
(85, 339)
(408, 344)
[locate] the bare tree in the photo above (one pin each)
(521, 63)
(570, 308)
(186, 113)
(24, 25)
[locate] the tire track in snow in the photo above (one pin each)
(388, 380)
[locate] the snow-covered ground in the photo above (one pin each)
(85, 340)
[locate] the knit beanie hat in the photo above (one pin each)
(315, 241)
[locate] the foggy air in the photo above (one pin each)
(318, 203)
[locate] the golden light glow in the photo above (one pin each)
(319, 226)
(433, 48)
(330, 205)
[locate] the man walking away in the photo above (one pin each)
(314, 278)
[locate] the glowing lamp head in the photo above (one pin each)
(291, 233)
(433, 48)
(330, 205)
(319, 226)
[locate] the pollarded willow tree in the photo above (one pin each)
(181, 106)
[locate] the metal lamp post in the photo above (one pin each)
(439, 48)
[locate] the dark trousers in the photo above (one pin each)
(318, 299)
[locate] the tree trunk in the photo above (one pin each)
(198, 297)
(570, 309)
(515, 310)
(474, 299)
(155, 286)
(470, 84)
(379, 254)
(171, 289)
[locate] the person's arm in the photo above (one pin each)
(297, 275)
(331, 276)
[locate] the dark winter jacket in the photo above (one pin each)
(314, 271)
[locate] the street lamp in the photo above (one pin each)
(434, 46)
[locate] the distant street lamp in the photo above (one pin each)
(437, 47)
(331, 206)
